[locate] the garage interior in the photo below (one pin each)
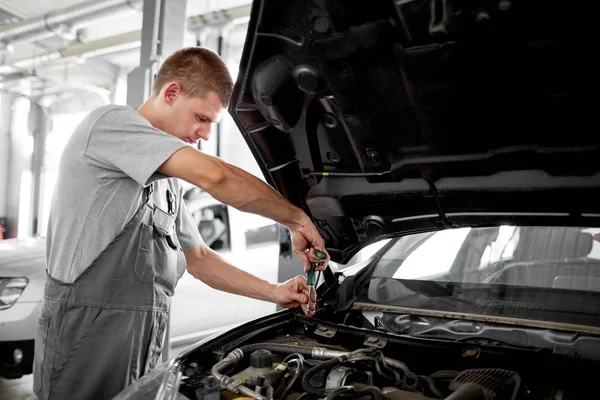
(59, 59)
(437, 146)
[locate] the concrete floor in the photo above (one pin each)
(17, 389)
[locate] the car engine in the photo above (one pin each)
(285, 371)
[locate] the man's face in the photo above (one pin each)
(190, 118)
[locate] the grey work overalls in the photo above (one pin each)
(104, 331)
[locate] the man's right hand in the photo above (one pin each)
(305, 240)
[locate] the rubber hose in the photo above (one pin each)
(372, 390)
(468, 391)
(278, 348)
(308, 388)
(351, 392)
(299, 367)
(339, 391)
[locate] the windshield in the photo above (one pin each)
(518, 271)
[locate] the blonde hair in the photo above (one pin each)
(198, 71)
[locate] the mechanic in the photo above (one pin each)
(120, 236)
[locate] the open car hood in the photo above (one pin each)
(391, 117)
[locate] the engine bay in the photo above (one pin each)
(310, 359)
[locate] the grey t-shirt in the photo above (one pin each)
(109, 159)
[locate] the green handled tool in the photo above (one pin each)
(310, 276)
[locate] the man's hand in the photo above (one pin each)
(305, 240)
(294, 293)
(597, 237)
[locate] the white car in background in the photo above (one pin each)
(22, 277)
(197, 310)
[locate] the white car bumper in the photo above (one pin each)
(18, 327)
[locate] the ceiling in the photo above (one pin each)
(95, 56)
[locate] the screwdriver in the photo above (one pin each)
(310, 277)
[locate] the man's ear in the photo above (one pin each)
(172, 90)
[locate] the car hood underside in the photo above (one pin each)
(402, 116)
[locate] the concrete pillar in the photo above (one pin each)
(38, 128)
(163, 32)
(5, 114)
(6, 103)
(119, 93)
(18, 171)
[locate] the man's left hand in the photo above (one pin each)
(294, 293)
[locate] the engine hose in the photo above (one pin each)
(403, 367)
(468, 391)
(338, 391)
(229, 383)
(396, 364)
(333, 356)
(238, 354)
(350, 392)
(373, 390)
(278, 348)
(396, 379)
(319, 353)
(299, 367)
(306, 386)
(431, 385)
(329, 363)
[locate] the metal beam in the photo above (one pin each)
(62, 22)
(233, 15)
(78, 50)
(87, 54)
(15, 76)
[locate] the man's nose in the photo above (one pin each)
(203, 132)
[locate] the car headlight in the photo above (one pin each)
(10, 290)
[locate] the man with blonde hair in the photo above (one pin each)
(120, 236)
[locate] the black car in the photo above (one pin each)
(458, 132)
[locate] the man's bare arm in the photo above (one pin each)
(232, 185)
(242, 190)
(208, 266)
